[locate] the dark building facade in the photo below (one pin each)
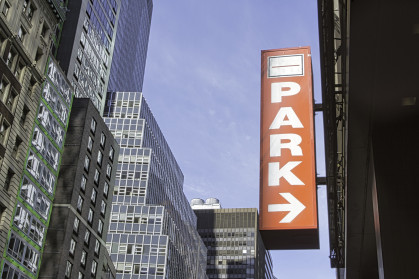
(130, 53)
(235, 247)
(26, 35)
(86, 47)
(371, 115)
(75, 243)
(152, 231)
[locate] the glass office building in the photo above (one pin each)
(152, 231)
(130, 52)
(86, 47)
(235, 247)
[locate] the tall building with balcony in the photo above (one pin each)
(130, 53)
(34, 109)
(86, 47)
(152, 231)
(235, 247)
(75, 243)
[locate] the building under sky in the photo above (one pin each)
(235, 246)
(152, 231)
(86, 47)
(75, 243)
(131, 44)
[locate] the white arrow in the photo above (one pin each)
(294, 207)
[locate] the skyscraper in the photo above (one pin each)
(152, 231)
(75, 243)
(34, 116)
(86, 47)
(235, 247)
(130, 53)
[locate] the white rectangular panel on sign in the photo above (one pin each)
(286, 65)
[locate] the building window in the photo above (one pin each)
(111, 153)
(68, 268)
(8, 179)
(87, 237)
(29, 224)
(28, 9)
(6, 9)
(10, 58)
(90, 216)
(45, 30)
(82, 39)
(24, 116)
(94, 267)
(76, 225)
(102, 140)
(108, 171)
(34, 197)
(97, 176)
(4, 85)
(83, 183)
(83, 258)
(100, 227)
(21, 33)
(97, 247)
(90, 144)
(23, 253)
(79, 204)
(4, 131)
(39, 57)
(99, 158)
(103, 207)
(19, 68)
(93, 197)
(86, 163)
(93, 125)
(72, 247)
(16, 147)
(105, 189)
(11, 100)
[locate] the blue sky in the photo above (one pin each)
(202, 83)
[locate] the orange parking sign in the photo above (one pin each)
(288, 196)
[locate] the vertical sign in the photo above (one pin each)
(288, 196)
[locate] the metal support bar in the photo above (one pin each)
(321, 180)
(318, 107)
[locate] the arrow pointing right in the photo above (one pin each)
(294, 207)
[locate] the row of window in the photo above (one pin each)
(60, 82)
(76, 225)
(28, 11)
(45, 147)
(9, 272)
(21, 251)
(136, 249)
(129, 268)
(55, 102)
(135, 218)
(90, 214)
(237, 252)
(93, 125)
(35, 198)
(40, 172)
(50, 124)
(8, 95)
(29, 224)
(69, 268)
